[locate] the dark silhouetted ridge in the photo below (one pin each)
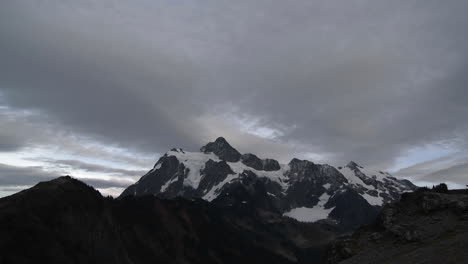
(67, 221)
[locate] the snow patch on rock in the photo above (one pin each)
(350, 175)
(216, 190)
(275, 176)
(194, 162)
(167, 184)
(372, 200)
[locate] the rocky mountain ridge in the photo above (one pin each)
(348, 196)
(426, 226)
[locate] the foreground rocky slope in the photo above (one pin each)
(347, 196)
(427, 227)
(66, 221)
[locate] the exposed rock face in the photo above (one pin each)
(271, 165)
(222, 149)
(353, 210)
(252, 161)
(353, 165)
(167, 169)
(213, 174)
(66, 221)
(250, 191)
(349, 196)
(424, 227)
(309, 181)
(256, 163)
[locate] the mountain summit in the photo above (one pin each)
(222, 149)
(347, 196)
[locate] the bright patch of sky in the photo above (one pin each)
(9, 190)
(423, 154)
(100, 169)
(254, 125)
(34, 157)
(113, 191)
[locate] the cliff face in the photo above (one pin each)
(66, 221)
(424, 227)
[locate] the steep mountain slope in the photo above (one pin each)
(348, 196)
(424, 227)
(66, 221)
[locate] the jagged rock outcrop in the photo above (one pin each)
(252, 161)
(256, 163)
(222, 149)
(271, 165)
(213, 174)
(424, 227)
(352, 210)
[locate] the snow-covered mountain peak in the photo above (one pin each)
(219, 171)
(376, 186)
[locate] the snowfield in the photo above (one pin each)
(318, 212)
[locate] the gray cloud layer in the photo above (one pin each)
(452, 171)
(363, 80)
(457, 173)
(76, 164)
(27, 176)
(18, 176)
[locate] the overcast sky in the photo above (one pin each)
(101, 89)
